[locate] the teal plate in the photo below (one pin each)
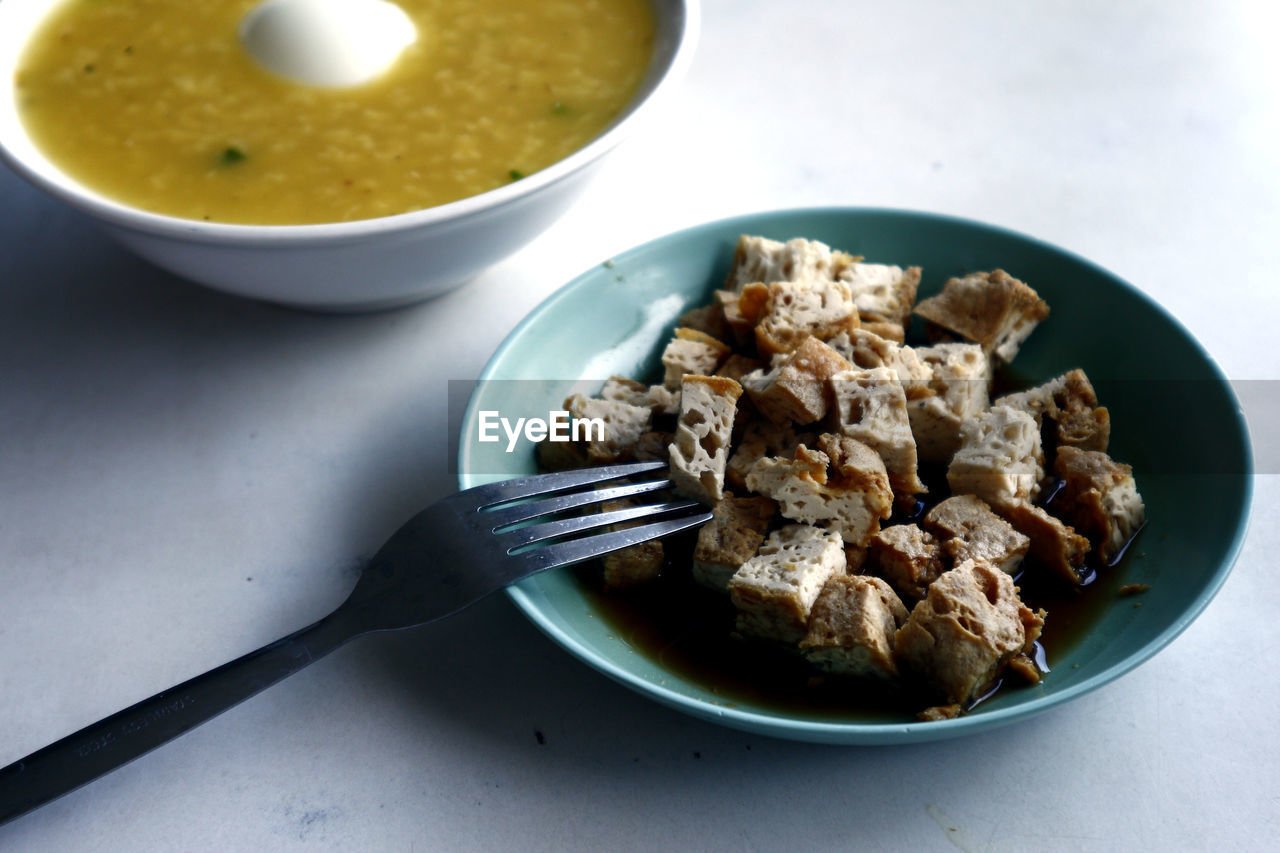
(1174, 418)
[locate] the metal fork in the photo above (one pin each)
(448, 556)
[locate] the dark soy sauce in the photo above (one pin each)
(688, 630)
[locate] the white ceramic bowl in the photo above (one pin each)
(350, 266)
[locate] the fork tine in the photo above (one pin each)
(541, 484)
(522, 536)
(577, 550)
(508, 515)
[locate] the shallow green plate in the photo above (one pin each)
(1174, 418)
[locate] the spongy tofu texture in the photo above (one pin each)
(851, 627)
(882, 290)
(864, 348)
(659, 399)
(871, 407)
(795, 389)
(795, 309)
(759, 259)
(762, 437)
(966, 629)
(700, 451)
(999, 458)
(1054, 543)
(969, 530)
(733, 535)
(1071, 403)
(775, 590)
(691, 351)
(992, 309)
(623, 426)
(958, 386)
(843, 487)
(1099, 497)
(907, 557)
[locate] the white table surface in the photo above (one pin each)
(185, 476)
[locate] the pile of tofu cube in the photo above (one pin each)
(793, 406)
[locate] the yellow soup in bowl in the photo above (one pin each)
(155, 103)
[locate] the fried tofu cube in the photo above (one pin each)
(759, 259)
(623, 425)
(704, 428)
(1054, 543)
(871, 406)
(775, 590)
(969, 530)
(623, 390)
(1083, 427)
(709, 319)
(737, 366)
(741, 328)
(796, 309)
(958, 390)
(969, 626)
(1099, 498)
(795, 390)
(842, 487)
(1000, 462)
(999, 459)
(1071, 388)
(1070, 402)
(907, 557)
(864, 348)
(730, 538)
(753, 304)
(652, 447)
(991, 309)
(886, 329)
(762, 437)
(635, 565)
(882, 292)
(851, 627)
(657, 398)
(691, 351)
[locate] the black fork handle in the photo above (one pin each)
(99, 748)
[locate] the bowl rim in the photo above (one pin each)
(678, 33)
(858, 733)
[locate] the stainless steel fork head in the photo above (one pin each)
(477, 541)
